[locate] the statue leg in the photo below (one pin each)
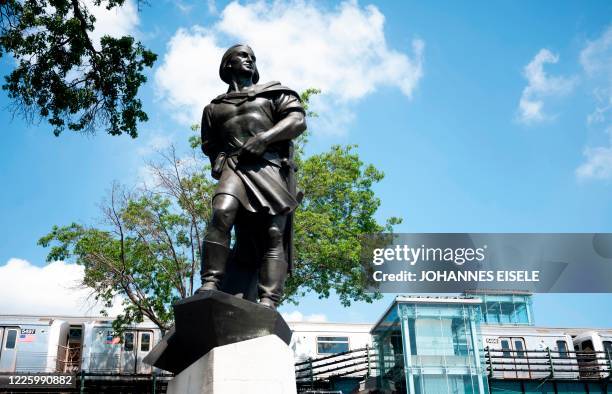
(273, 271)
(217, 240)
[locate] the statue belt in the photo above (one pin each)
(284, 162)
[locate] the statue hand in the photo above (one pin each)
(255, 145)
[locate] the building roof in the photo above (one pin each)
(429, 299)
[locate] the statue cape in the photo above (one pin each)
(238, 98)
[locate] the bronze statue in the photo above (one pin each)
(247, 134)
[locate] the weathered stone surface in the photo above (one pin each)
(211, 319)
(238, 368)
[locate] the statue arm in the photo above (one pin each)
(291, 123)
(210, 145)
(288, 128)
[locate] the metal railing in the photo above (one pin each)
(546, 363)
(354, 363)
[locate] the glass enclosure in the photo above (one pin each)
(431, 347)
(506, 308)
(387, 337)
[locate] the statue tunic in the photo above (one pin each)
(262, 184)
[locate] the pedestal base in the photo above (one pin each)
(262, 365)
(211, 319)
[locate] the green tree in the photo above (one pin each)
(148, 249)
(65, 77)
(148, 245)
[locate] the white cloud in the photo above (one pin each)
(52, 289)
(598, 162)
(539, 86)
(342, 51)
(595, 58)
(187, 78)
(297, 316)
(155, 143)
(212, 7)
(183, 7)
(116, 22)
(596, 61)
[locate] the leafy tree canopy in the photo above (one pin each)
(63, 76)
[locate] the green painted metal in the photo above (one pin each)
(82, 388)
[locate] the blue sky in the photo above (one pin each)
(484, 116)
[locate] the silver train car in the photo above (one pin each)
(528, 352)
(593, 351)
(72, 344)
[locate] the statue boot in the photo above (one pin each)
(214, 261)
(272, 276)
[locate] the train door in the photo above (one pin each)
(587, 358)
(74, 346)
(8, 349)
(145, 338)
(128, 353)
(515, 362)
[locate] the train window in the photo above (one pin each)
(11, 338)
(505, 345)
(519, 347)
(587, 346)
(145, 342)
(331, 345)
(562, 348)
(74, 333)
(128, 344)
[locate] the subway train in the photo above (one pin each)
(71, 344)
(528, 352)
(525, 352)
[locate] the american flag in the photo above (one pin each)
(26, 337)
(111, 340)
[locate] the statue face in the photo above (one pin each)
(242, 63)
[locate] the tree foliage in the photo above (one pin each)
(147, 249)
(63, 76)
(338, 208)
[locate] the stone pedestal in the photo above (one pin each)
(214, 319)
(262, 365)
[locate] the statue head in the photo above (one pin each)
(238, 62)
